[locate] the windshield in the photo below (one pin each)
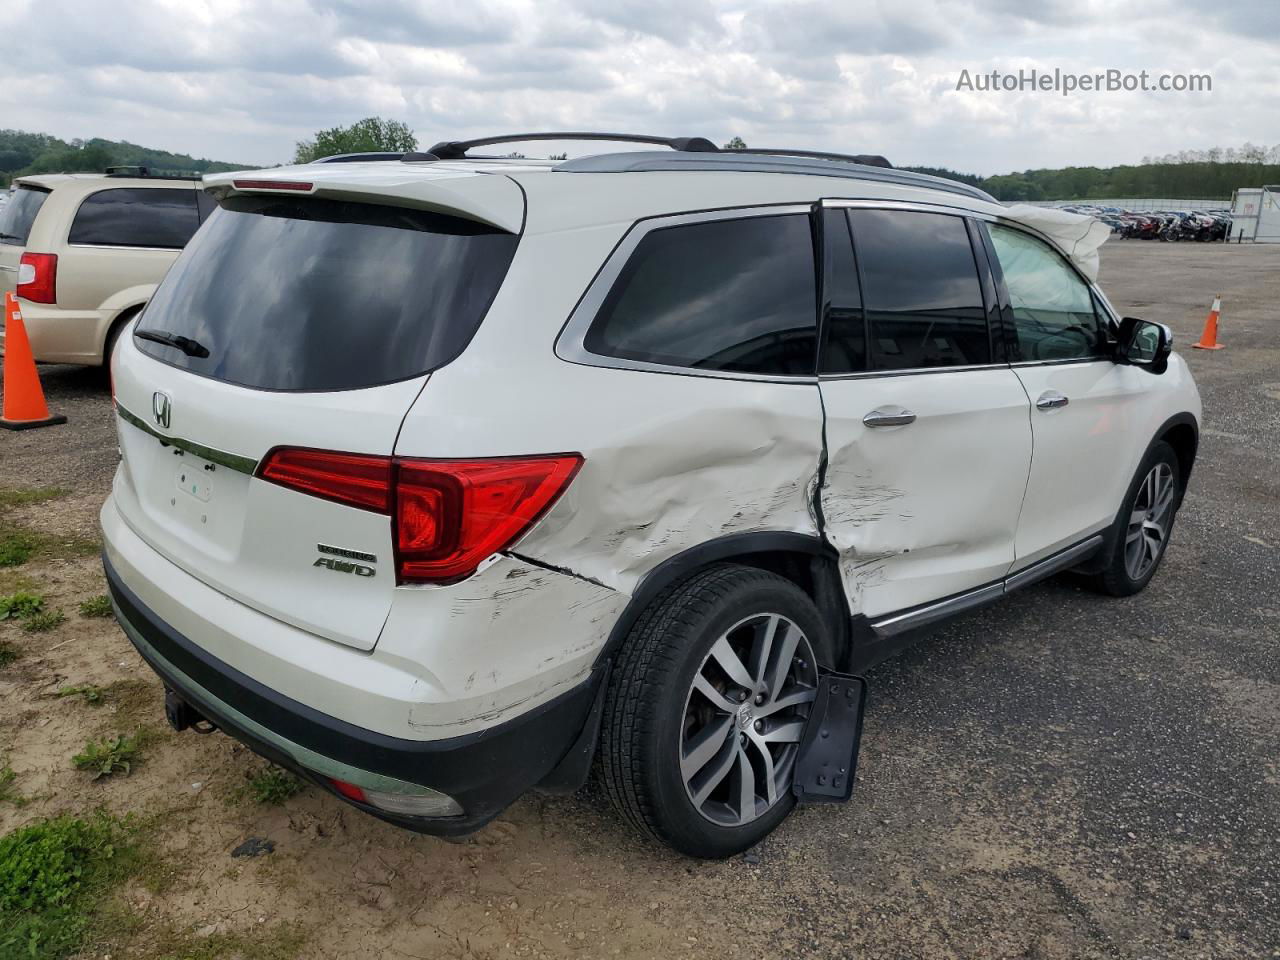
(19, 213)
(304, 293)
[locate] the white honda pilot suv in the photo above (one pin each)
(449, 477)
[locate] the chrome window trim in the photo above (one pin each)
(571, 343)
(124, 246)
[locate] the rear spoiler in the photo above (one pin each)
(495, 201)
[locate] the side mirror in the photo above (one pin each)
(1144, 343)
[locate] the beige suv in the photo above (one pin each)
(84, 253)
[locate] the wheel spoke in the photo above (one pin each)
(782, 659)
(704, 745)
(792, 697)
(718, 699)
(765, 760)
(788, 731)
(763, 647)
(746, 788)
(715, 771)
(731, 663)
(1137, 517)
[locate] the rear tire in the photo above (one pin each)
(1142, 529)
(113, 337)
(688, 755)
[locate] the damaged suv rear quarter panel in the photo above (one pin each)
(670, 460)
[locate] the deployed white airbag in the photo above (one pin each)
(1078, 236)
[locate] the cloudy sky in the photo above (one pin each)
(242, 80)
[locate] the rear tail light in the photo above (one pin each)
(447, 515)
(38, 277)
(422, 802)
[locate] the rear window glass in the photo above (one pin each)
(19, 213)
(141, 217)
(304, 293)
(733, 295)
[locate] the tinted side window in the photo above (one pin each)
(845, 347)
(731, 295)
(19, 213)
(125, 217)
(920, 289)
(1053, 312)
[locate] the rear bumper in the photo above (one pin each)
(484, 772)
(63, 336)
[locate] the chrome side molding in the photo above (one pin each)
(897, 623)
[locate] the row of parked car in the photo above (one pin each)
(1203, 226)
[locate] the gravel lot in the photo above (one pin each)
(1059, 776)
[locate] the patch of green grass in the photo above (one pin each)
(15, 606)
(99, 606)
(45, 620)
(21, 496)
(88, 692)
(8, 792)
(17, 546)
(105, 758)
(53, 876)
(8, 654)
(272, 785)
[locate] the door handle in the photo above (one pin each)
(1051, 400)
(889, 417)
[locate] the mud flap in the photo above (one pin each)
(829, 748)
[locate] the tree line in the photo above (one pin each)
(28, 153)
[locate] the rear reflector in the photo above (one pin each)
(448, 515)
(423, 802)
(38, 277)
(272, 185)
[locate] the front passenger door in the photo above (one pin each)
(1083, 405)
(927, 429)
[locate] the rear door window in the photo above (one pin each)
(17, 216)
(136, 217)
(1053, 308)
(722, 295)
(920, 290)
(306, 293)
(845, 346)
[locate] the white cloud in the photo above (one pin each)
(242, 80)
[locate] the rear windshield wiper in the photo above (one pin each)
(192, 348)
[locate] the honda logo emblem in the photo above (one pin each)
(161, 408)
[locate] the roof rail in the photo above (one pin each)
(722, 161)
(866, 159)
(457, 149)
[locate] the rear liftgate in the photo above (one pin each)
(829, 748)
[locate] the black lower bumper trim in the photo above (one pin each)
(484, 771)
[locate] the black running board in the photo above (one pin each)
(828, 753)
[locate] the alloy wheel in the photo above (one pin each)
(744, 715)
(1149, 521)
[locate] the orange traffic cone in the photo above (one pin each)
(1209, 339)
(24, 405)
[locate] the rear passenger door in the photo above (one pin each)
(1086, 411)
(123, 238)
(927, 428)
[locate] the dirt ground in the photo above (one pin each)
(1059, 776)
